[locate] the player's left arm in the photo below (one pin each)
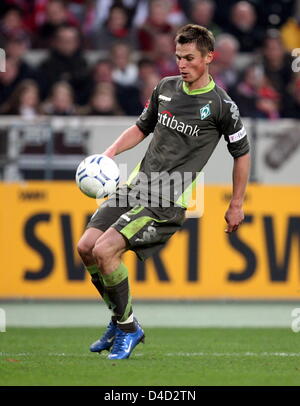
(231, 126)
(240, 175)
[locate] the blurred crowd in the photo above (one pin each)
(134, 40)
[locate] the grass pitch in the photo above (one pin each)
(171, 356)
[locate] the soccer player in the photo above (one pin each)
(188, 114)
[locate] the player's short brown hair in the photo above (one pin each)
(201, 36)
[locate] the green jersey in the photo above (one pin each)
(187, 126)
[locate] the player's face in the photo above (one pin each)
(192, 65)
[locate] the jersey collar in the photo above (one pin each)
(204, 89)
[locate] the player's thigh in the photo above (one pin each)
(146, 231)
(110, 244)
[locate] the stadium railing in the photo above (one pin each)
(51, 148)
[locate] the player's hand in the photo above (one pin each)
(234, 216)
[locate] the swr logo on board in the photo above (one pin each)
(278, 266)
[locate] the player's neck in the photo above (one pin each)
(203, 81)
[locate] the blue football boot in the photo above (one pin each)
(106, 341)
(124, 343)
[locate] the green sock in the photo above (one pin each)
(117, 287)
(97, 281)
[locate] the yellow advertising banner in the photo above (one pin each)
(41, 223)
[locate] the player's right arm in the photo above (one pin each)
(136, 133)
(129, 138)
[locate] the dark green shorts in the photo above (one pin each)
(146, 229)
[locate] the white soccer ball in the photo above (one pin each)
(97, 176)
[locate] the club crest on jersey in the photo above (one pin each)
(205, 111)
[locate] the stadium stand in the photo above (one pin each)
(88, 58)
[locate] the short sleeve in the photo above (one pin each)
(231, 126)
(148, 119)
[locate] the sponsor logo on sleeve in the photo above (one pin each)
(238, 135)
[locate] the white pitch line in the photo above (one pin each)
(170, 354)
(28, 354)
(233, 354)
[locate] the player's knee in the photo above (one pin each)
(98, 253)
(102, 252)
